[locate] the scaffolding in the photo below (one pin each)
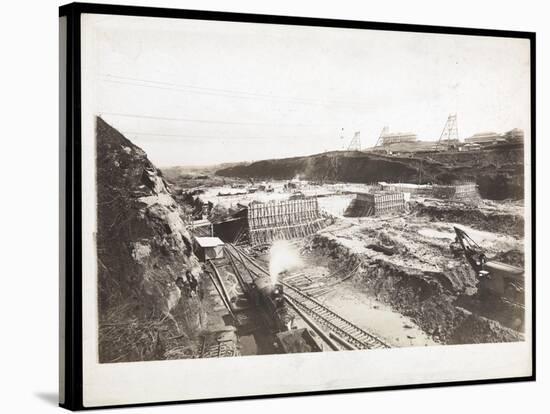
(375, 204)
(283, 220)
(460, 191)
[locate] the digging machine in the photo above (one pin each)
(497, 278)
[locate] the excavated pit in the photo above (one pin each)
(396, 275)
(503, 217)
(421, 279)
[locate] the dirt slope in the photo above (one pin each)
(422, 280)
(497, 171)
(143, 246)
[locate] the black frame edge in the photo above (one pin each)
(72, 248)
(533, 153)
(96, 8)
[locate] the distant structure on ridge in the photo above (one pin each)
(387, 138)
(449, 136)
(407, 142)
(355, 144)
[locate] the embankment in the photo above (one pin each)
(143, 247)
(498, 172)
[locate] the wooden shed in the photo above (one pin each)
(208, 248)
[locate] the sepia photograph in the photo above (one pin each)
(271, 189)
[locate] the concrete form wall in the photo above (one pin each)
(283, 220)
(282, 213)
(369, 204)
(388, 202)
(466, 190)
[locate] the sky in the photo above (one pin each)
(193, 92)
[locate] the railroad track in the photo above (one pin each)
(319, 313)
(219, 350)
(330, 320)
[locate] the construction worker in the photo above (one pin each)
(183, 286)
(192, 281)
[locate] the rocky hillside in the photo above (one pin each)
(143, 247)
(498, 172)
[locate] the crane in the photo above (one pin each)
(495, 277)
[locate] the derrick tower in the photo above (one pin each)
(449, 135)
(355, 144)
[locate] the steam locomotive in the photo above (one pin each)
(287, 338)
(269, 296)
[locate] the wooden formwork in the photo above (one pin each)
(283, 220)
(368, 204)
(460, 191)
(468, 190)
(388, 202)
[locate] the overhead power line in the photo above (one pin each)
(214, 137)
(228, 93)
(209, 121)
(191, 86)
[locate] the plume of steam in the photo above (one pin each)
(283, 256)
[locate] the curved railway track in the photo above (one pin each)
(330, 320)
(319, 313)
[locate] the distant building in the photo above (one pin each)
(514, 135)
(483, 138)
(390, 138)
